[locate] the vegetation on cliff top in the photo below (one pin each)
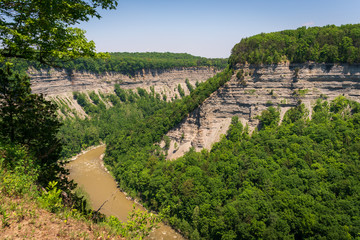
(329, 44)
(129, 63)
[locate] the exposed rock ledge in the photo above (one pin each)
(57, 82)
(265, 85)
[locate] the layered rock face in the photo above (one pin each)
(260, 87)
(55, 82)
(59, 85)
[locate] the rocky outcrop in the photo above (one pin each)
(55, 82)
(261, 86)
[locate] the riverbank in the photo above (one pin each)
(102, 164)
(85, 151)
(89, 171)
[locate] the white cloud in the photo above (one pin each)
(308, 24)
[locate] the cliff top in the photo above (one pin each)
(329, 44)
(129, 63)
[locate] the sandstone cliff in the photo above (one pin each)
(55, 82)
(262, 86)
(58, 85)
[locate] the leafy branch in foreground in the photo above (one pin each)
(33, 30)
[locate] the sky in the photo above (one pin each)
(207, 28)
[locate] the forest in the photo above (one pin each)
(328, 44)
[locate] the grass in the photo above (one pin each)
(24, 219)
(300, 92)
(250, 91)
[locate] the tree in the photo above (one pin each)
(30, 120)
(40, 31)
(269, 117)
(235, 129)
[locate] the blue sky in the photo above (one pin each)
(207, 28)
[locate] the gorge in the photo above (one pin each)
(280, 85)
(262, 144)
(263, 149)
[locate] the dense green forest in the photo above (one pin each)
(330, 44)
(296, 180)
(128, 63)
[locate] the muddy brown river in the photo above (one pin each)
(89, 173)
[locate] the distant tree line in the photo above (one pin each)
(129, 63)
(330, 44)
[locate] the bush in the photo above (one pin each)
(51, 199)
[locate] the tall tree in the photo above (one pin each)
(30, 120)
(41, 30)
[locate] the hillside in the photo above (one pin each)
(22, 218)
(57, 82)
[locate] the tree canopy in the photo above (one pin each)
(329, 44)
(296, 180)
(128, 63)
(41, 31)
(29, 120)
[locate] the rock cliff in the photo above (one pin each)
(257, 88)
(58, 85)
(55, 82)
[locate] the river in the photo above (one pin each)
(89, 173)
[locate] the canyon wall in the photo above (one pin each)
(59, 85)
(57, 82)
(261, 86)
